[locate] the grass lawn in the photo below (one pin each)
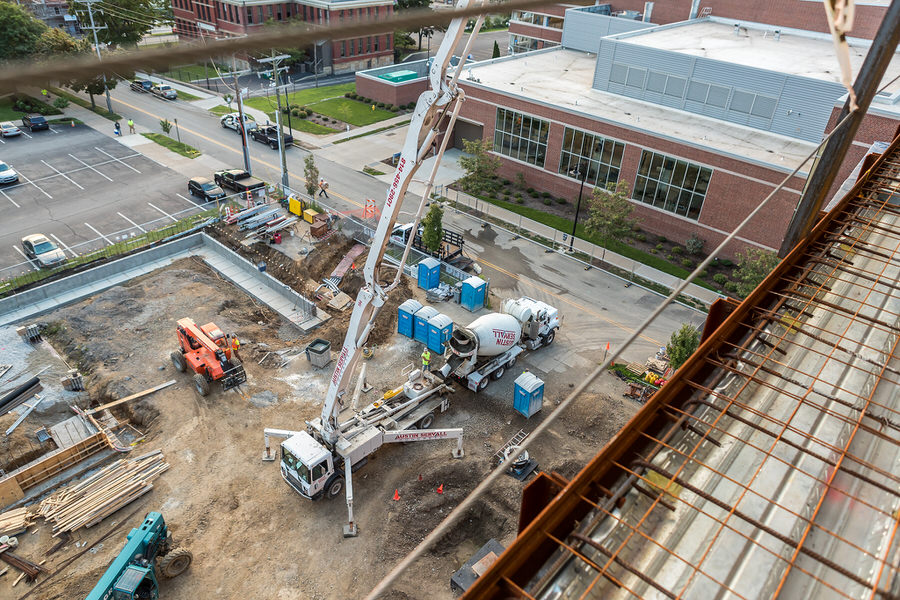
(221, 110)
(86, 104)
(351, 111)
(190, 72)
(379, 130)
(186, 96)
(6, 111)
(173, 145)
(307, 126)
(303, 97)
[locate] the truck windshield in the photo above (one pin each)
(294, 463)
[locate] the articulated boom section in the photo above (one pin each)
(432, 109)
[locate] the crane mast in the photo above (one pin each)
(436, 107)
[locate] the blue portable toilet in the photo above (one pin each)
(421, 318)
(429, 273)
(472, 296)
(405, 312)
(529, 394)
(440, 327)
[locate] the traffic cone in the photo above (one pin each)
(440, 489)
(396, 495)
(73, 123)
(420, 477)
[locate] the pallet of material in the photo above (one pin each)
(88, 502)
(15, 521)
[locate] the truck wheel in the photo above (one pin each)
(273, 145)
(178, 361)
(175, 562)
(483, 384)
(511, 363)
(548, 339)
(201, 384)
(427, 421)
(334, 487)
(498, 373)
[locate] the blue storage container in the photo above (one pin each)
(429, 273)
(529, 394)
(440, 327)
(421, 318)
(472, 296)
(405, 312)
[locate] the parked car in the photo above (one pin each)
(238, 180)
(7, 173)
(9, 129)
(269, 135)
(35, 122)
(42, 250)
(164, 91)
(204, 188)
(142, 85)
(232, 120)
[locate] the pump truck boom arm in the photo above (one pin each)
(435, 107)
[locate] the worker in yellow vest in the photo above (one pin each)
(235, 347)
(426, 360)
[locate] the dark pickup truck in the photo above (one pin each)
(268, 134)
(238, 180)
(141, 85)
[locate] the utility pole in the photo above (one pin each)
(94, 28)
(275, 61)
(316, 62)
(239, 93)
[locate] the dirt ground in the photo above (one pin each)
(250, 534)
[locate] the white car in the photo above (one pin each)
(7, 173)
(9, 129)
(231, 121)
(42, 250)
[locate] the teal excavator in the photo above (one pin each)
(132, 575)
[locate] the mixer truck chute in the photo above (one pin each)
(490, 345)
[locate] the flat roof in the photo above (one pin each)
(562, 78)
(802, 53)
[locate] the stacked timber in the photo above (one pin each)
(14, 522)
(92, 500)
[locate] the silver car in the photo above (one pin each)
(7, 173)
(9, 129)
(42, 250)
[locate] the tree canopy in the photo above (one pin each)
(480, 166)
(682, 344)
(124, 22)
(432, 229)
(610, 213)
(21, 32)
(753, 265)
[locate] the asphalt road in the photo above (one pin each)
(482, 49)
(77, 185)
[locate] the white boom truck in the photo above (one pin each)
(342, 438)
(491, 343)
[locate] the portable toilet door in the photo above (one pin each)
(472, 296)
(429, 273)
(421, 318)
(440, 327)
(405, 313)
(528, 394)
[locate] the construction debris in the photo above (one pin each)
(15, 521)
(19, 395)
(90, 501)
(29, 569)
(130, 398)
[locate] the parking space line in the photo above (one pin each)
(28, 260)
(10, 199)
(118, 160)
(98, 233)
(26, 135)
(90, 167)
(53, 130)
(132, 222)
(72, 181)
(36, 185)
(63, 244)
(1, 140)
(162, 211)
(189, 200)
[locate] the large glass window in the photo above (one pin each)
(601, 157)
(528, 17)
(671, 184)
(523, 43)
(521, 137)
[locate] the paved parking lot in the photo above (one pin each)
(83, 190)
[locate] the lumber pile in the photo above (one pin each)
(14, 522)
(92, 500)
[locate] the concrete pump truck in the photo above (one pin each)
(321, 460)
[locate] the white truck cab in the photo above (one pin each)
(306, 465)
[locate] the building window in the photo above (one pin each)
(555, 22)
(377, 37)
(250, 16)
(529, 17)
(670, 184)
(521, 137)
(522, 43)
(600, 156)
(343, 48)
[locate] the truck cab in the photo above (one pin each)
(308, 466)
(136, 583)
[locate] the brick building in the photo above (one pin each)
(702, 119)
(222, 18)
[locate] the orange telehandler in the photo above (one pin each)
(207, 351)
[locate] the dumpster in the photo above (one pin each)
(405, 313)
(528, 394)
(421, 318)
(318, 352)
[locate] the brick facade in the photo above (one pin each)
(383, 91)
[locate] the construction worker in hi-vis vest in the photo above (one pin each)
(426, 359)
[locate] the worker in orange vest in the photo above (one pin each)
(235, 347)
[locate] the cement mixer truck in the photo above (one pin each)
(491, 343)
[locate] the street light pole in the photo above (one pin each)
(94, 29)
(275, 61)
(583, 172)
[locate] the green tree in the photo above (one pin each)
(480, 166)
(682, 344)
(93, 87)
(432, 229)
(166, 126)
(61, 103)
(124, 22)
(311, 173)
(496, 53)
(20, 34)
(609, 215)
(56, 41)
(753, 265)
